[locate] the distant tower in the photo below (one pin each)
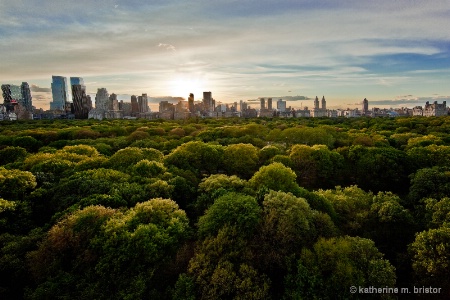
(143, 103)
(324, 103)
(26, 97)
(12, 96)
(134, 105)
(113, 102)
(281, 105)
(60, 93)
(208, 101)
(82, 103)
(191, 103)
(365, 106)
(102, 99)
(316, 103)
(263, 103)
(269, 103)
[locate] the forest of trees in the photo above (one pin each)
(224, 208)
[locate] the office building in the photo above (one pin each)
(60, 93)
(143, 103)
(27, 100)
(81, 103)
(191, 106)
(269, 103)
(208, 103)
(365, 107)
(102, 99)
(134, 106)
(281, 105)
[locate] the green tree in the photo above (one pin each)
(125, 158)
(11, 154)
(14, 184)
(231, 209)
(379, 168)
(241, 160)
(334, 265)
(276, 177)
(429, 183)
(352, 206)
(430, 253)
(197, 157)
(64, 263)
(316, 166)
(222, 269)
(136, 247)
(30, 143)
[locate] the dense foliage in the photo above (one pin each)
(223, 208)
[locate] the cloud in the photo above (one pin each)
(165, 98)
(167, 46)
(242, 50)
(35, 88)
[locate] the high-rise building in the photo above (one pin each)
(134, 105)
(102, 99)
(365, 107)
(12, 95)
(263, 103)
(113, 103)
(77, 80)
(208, 101)
(143, 103)
(81, 102)
(281, 105)
(269, 103)
(27, 102)
(191, 106)
(60, 93)
(316, 103)
(324, 103)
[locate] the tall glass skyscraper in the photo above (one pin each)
(60, 93)
(76, 81)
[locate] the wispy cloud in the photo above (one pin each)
(35, 88)
(167, 46)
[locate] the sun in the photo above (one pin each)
(182, 86)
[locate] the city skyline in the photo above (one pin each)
(394, 54)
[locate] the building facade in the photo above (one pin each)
(102, 99)
(60, 93)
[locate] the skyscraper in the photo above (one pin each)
(113, 103)
(134, 105)
(208, 101)
(191, 103)
(365, 106)
(324, 103)
(143, 103)
(269, 103)
(82, 103)
(316, 103)
(281, 105)
(12, 95)
(102, 99)
(263, 103)
(27, 102)
(59, 93)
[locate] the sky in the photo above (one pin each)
(394, 53)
